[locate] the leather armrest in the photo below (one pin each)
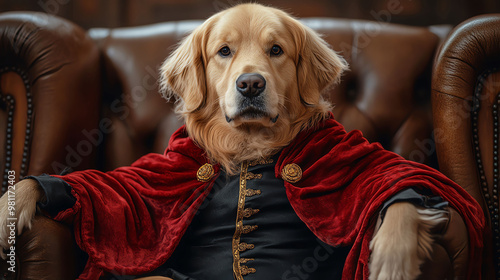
(45, 252)
(50, 77)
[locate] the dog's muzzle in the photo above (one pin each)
(251, 101)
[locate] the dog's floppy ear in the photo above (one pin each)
(183, 72)
(318, 66)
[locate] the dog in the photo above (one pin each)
(246, 82)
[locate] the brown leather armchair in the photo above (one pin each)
(89, 99)
(466, 101)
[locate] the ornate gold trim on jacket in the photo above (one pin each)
(261, 161)
(251, 176)
(251, 192)
(248, 212)
(240, 270)
(249, 228)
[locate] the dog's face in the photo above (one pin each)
(250, 69)
(251, 66)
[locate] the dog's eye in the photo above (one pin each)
(276, 50)
(225, 51)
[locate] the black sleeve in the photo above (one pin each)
(416, 197)
(57, 193)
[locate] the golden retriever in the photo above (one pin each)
(246, 82)
(292, 60)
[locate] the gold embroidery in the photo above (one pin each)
(205, 172)
(252, 192)
(245, 260)
(261, 161)
(291, 173)
(249, 228)
(242, 247)
(247, 270)
(248, 212)
(251, 176)
(237, 246)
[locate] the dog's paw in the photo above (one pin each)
(403, 242)
(17, 210)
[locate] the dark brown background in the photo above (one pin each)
(116, 13)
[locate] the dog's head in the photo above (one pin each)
(251, 68)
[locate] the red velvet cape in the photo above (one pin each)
(131, 219)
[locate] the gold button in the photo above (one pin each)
(291, 173)
(205, 173)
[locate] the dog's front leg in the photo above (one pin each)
(403, 241)
(17, 210)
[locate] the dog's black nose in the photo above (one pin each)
(250, 84)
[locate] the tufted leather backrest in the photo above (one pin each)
(466, 103)
(386, 93)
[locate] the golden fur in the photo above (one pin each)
(27, 193)
(202, 81)
(404, 241)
